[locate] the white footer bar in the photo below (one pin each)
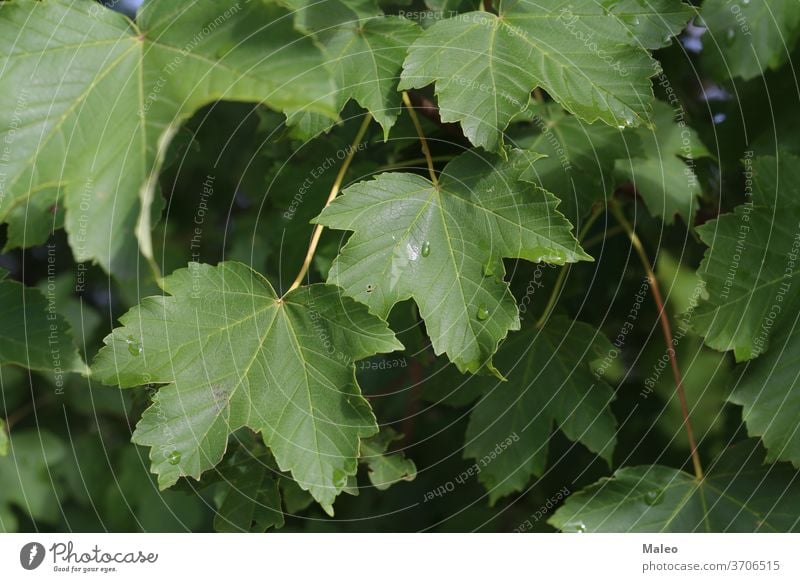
(401, 557)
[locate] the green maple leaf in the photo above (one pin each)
(98, 98)
(579, 167)
(386, 469)
(550, 384)
(233, 354)
(752, 261)
(294, 498)
(364, 51)
(755, 36)
(769, 392)
(25, 478)
(442, 245)
(652, 23)
(584, 53)
(33, 334)
(662, 170)
(251, 500)
(739, 494)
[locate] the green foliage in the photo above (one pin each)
(769, 392)
(750, 38)
(590, 58)
(164, 67)
(738, 495)
(658, 171)
(442, 244)
(236, 354)
(34, 334)
(552, 384)
(579, 162)
(364, 51)
(443, 257)
(386, 469)
(250, 500)
(752, 260)
(25, 480)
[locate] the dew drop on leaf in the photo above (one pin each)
(174, 458)
(134, 347)
(426, 248)
(483, 312)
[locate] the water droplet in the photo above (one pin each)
(654, 497)
(426, 248)
(626, 121)
(174, 458)
(578, 527)
(134, 347)
(483, 312)
(730, 36)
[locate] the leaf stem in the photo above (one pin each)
(562, 275)
(667, 330)
(337, 185)
(423, 142)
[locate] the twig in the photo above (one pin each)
(423, 142)
(312, 247)
(667, 329)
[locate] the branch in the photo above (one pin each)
(312, 247)
(423, 142)
(667, 329)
